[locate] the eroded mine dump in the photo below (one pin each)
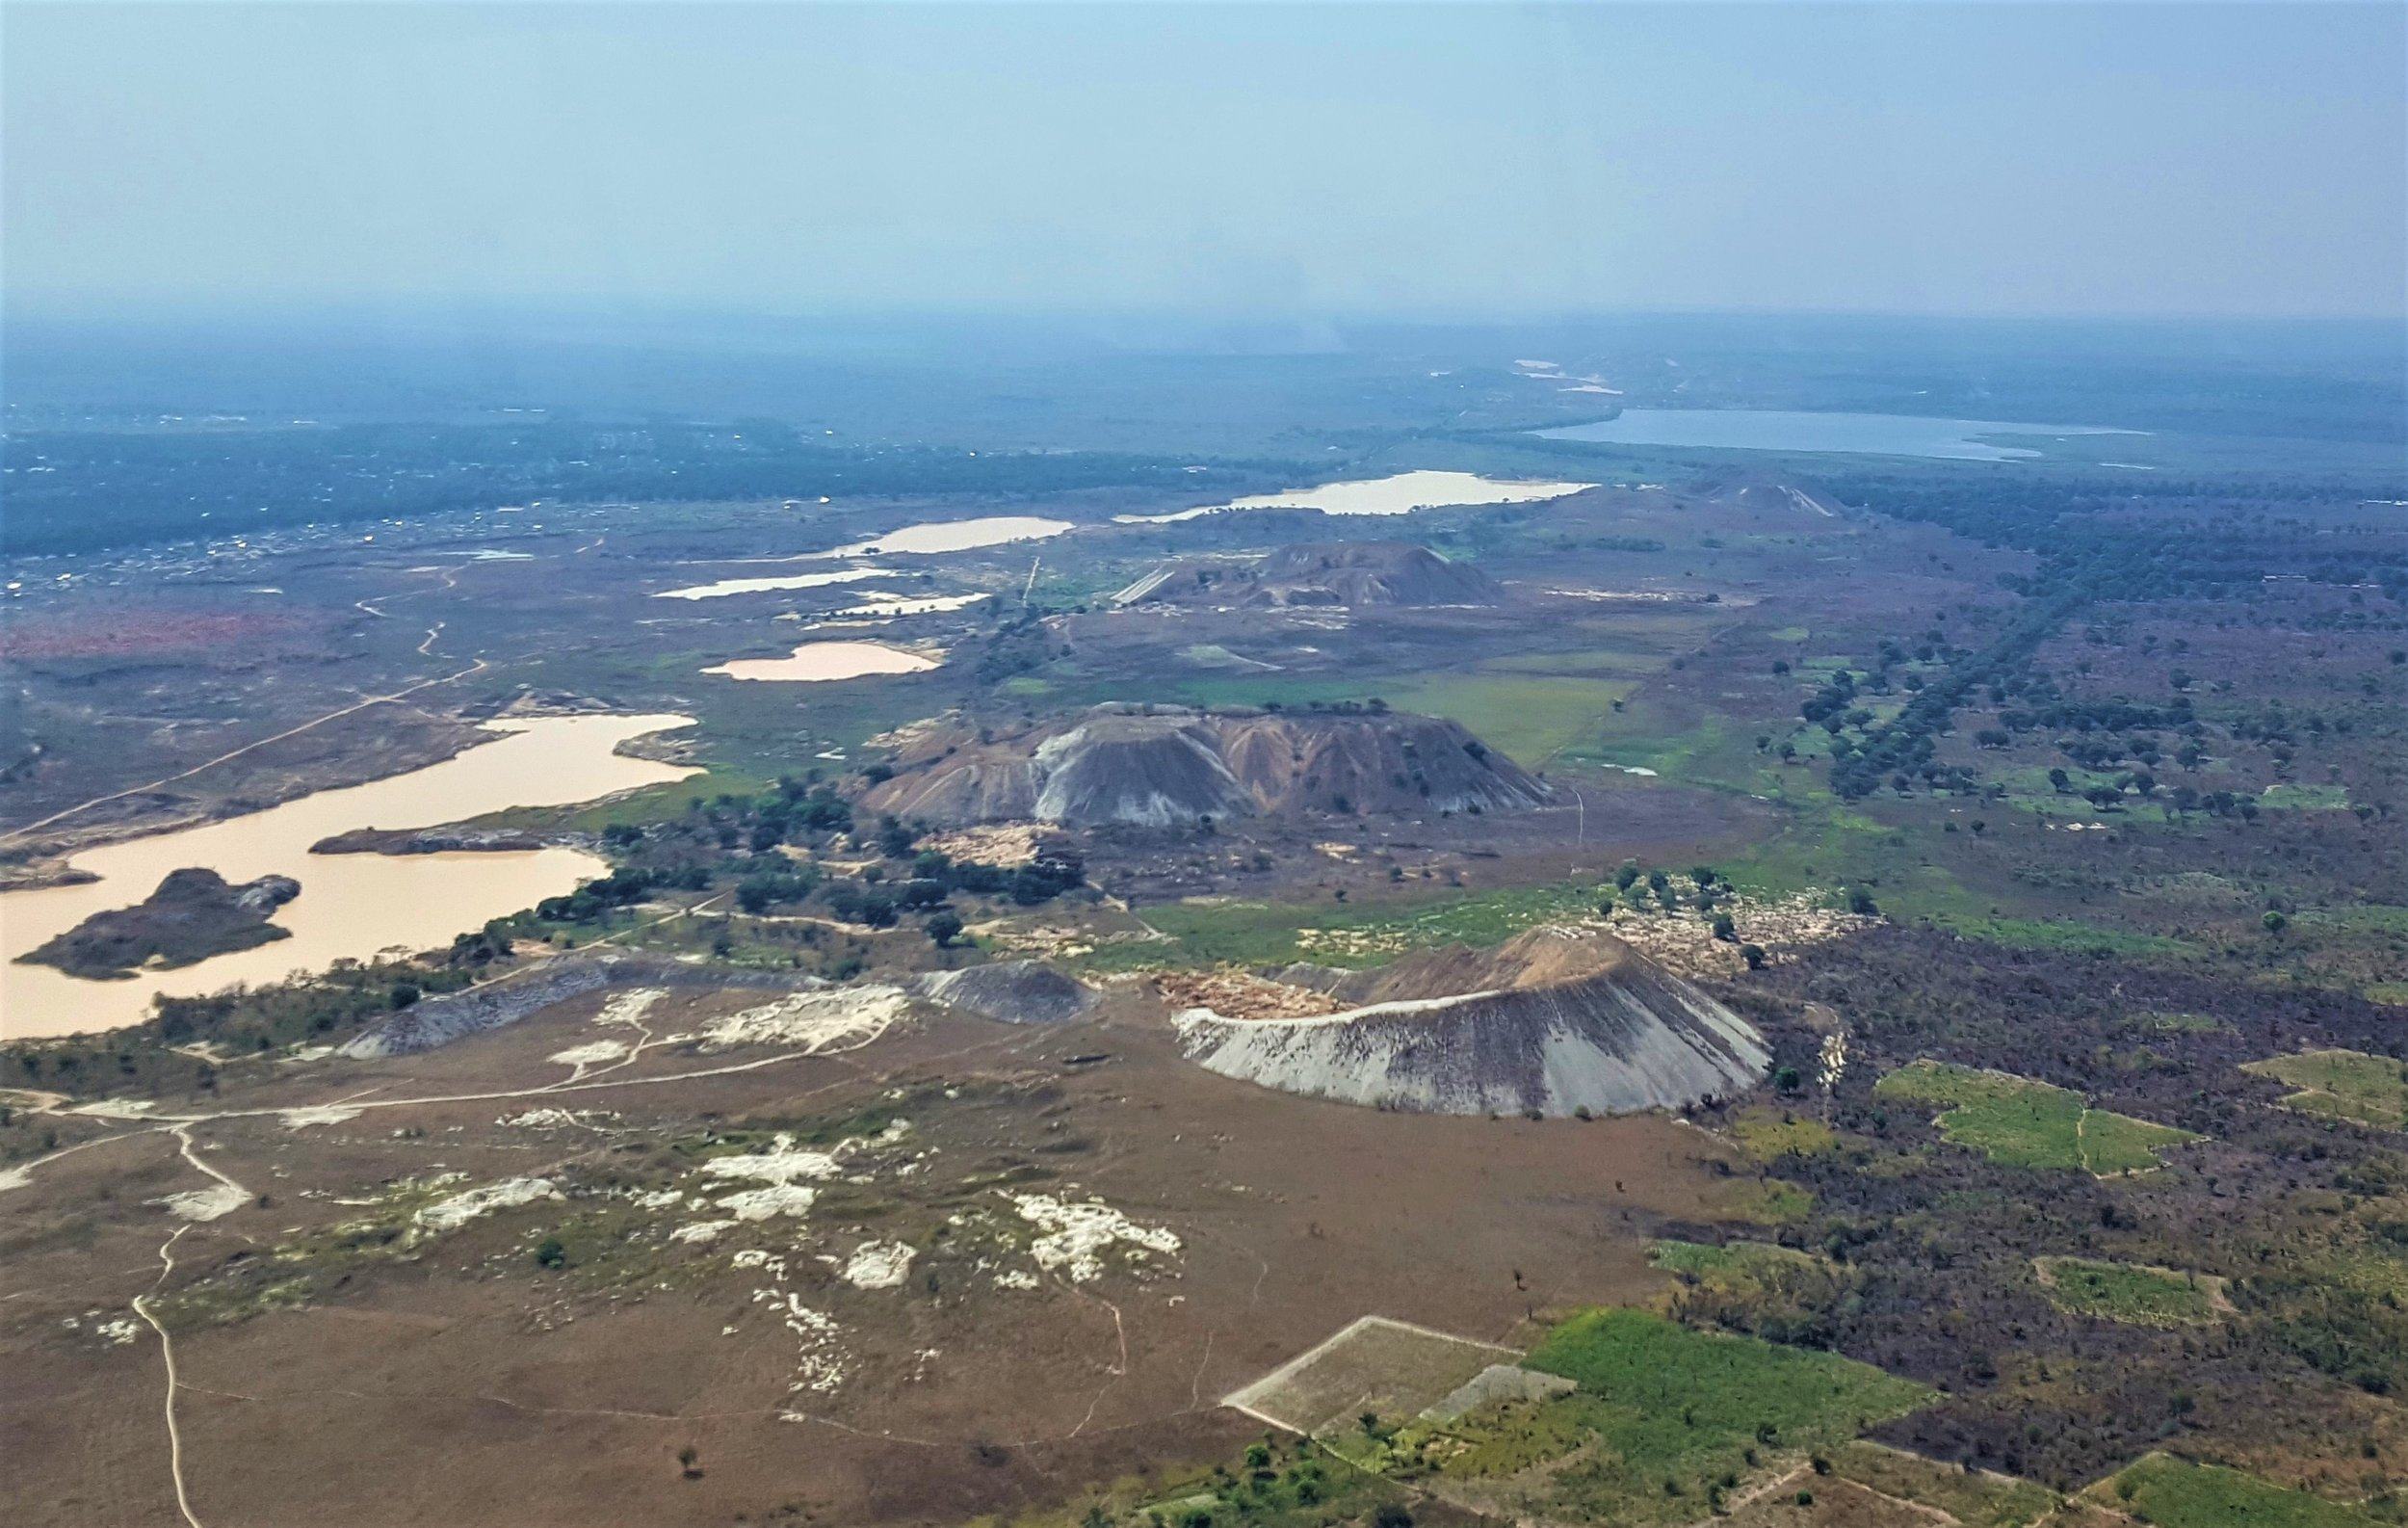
(1557, 1022)
(1170, 766)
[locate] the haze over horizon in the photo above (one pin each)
(1290, 163)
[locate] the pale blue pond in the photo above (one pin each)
(1801, 429)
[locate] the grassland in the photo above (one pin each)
(1734, 1260)
(1767, 1135)
(2151, 1296)
(1535, 717)
(1770, 1201)
(2038, 1124)
(2305, 797)
(1976, 1498)
(2345, 1084)
(2176, 1493)
(1678, 1416)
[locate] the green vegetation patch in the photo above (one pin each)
(2038, 1124)
(2305, 797)
(1679, 1415)
(2345, 1084)
(1976, 1498)
(2066, 935)
(1743, 1285)
(1734, 1260)
(2151, 1296)
(2176, 1494)
(1766, 1135)
(1770, 1201)
(1534, 718)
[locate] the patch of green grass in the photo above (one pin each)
(1732, 1258)
(1711, 749)
(2150, 1297)
(2176, 1024)
(1532, 717)
(2345, 1084)
(1976, 1498)
(2361, 917)
(1766, 1135)
(2038, 1124)
(2062, 934)
(1770, 1201)
(1677, 1411)
(2176, 1493)
(2305, 797)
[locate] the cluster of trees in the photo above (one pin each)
(2091, 549)
(1929, 1271)
(591, 902)
(1644, 890)
(238, 1021)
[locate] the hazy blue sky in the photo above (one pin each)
(1337, 159)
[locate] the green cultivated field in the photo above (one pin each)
(2176, 1493)
(1677, 1413)
(2029, 1123)
(2345, 1084)
(2153, 1297)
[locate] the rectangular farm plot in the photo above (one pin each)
(1975, 1498)
(2029, 1123)
(1666, 1424)
(2176, 1494)
(2345, 1084)
(1391, 1369)
(2150, 1297)
(1703, 1387)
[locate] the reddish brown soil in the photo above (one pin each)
(466, 1386)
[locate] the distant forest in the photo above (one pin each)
(82, 492)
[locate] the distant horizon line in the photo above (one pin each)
(129, 312)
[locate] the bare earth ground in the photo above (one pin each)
(438, 1383)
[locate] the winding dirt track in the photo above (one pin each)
(7, 834)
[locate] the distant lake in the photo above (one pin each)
(1801, 429)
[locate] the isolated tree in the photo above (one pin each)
(944, 928)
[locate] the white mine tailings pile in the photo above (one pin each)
(1555, 1021)
(1164, 766)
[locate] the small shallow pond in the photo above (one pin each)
(1399, 495)
(813, 660)
(351, 906)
